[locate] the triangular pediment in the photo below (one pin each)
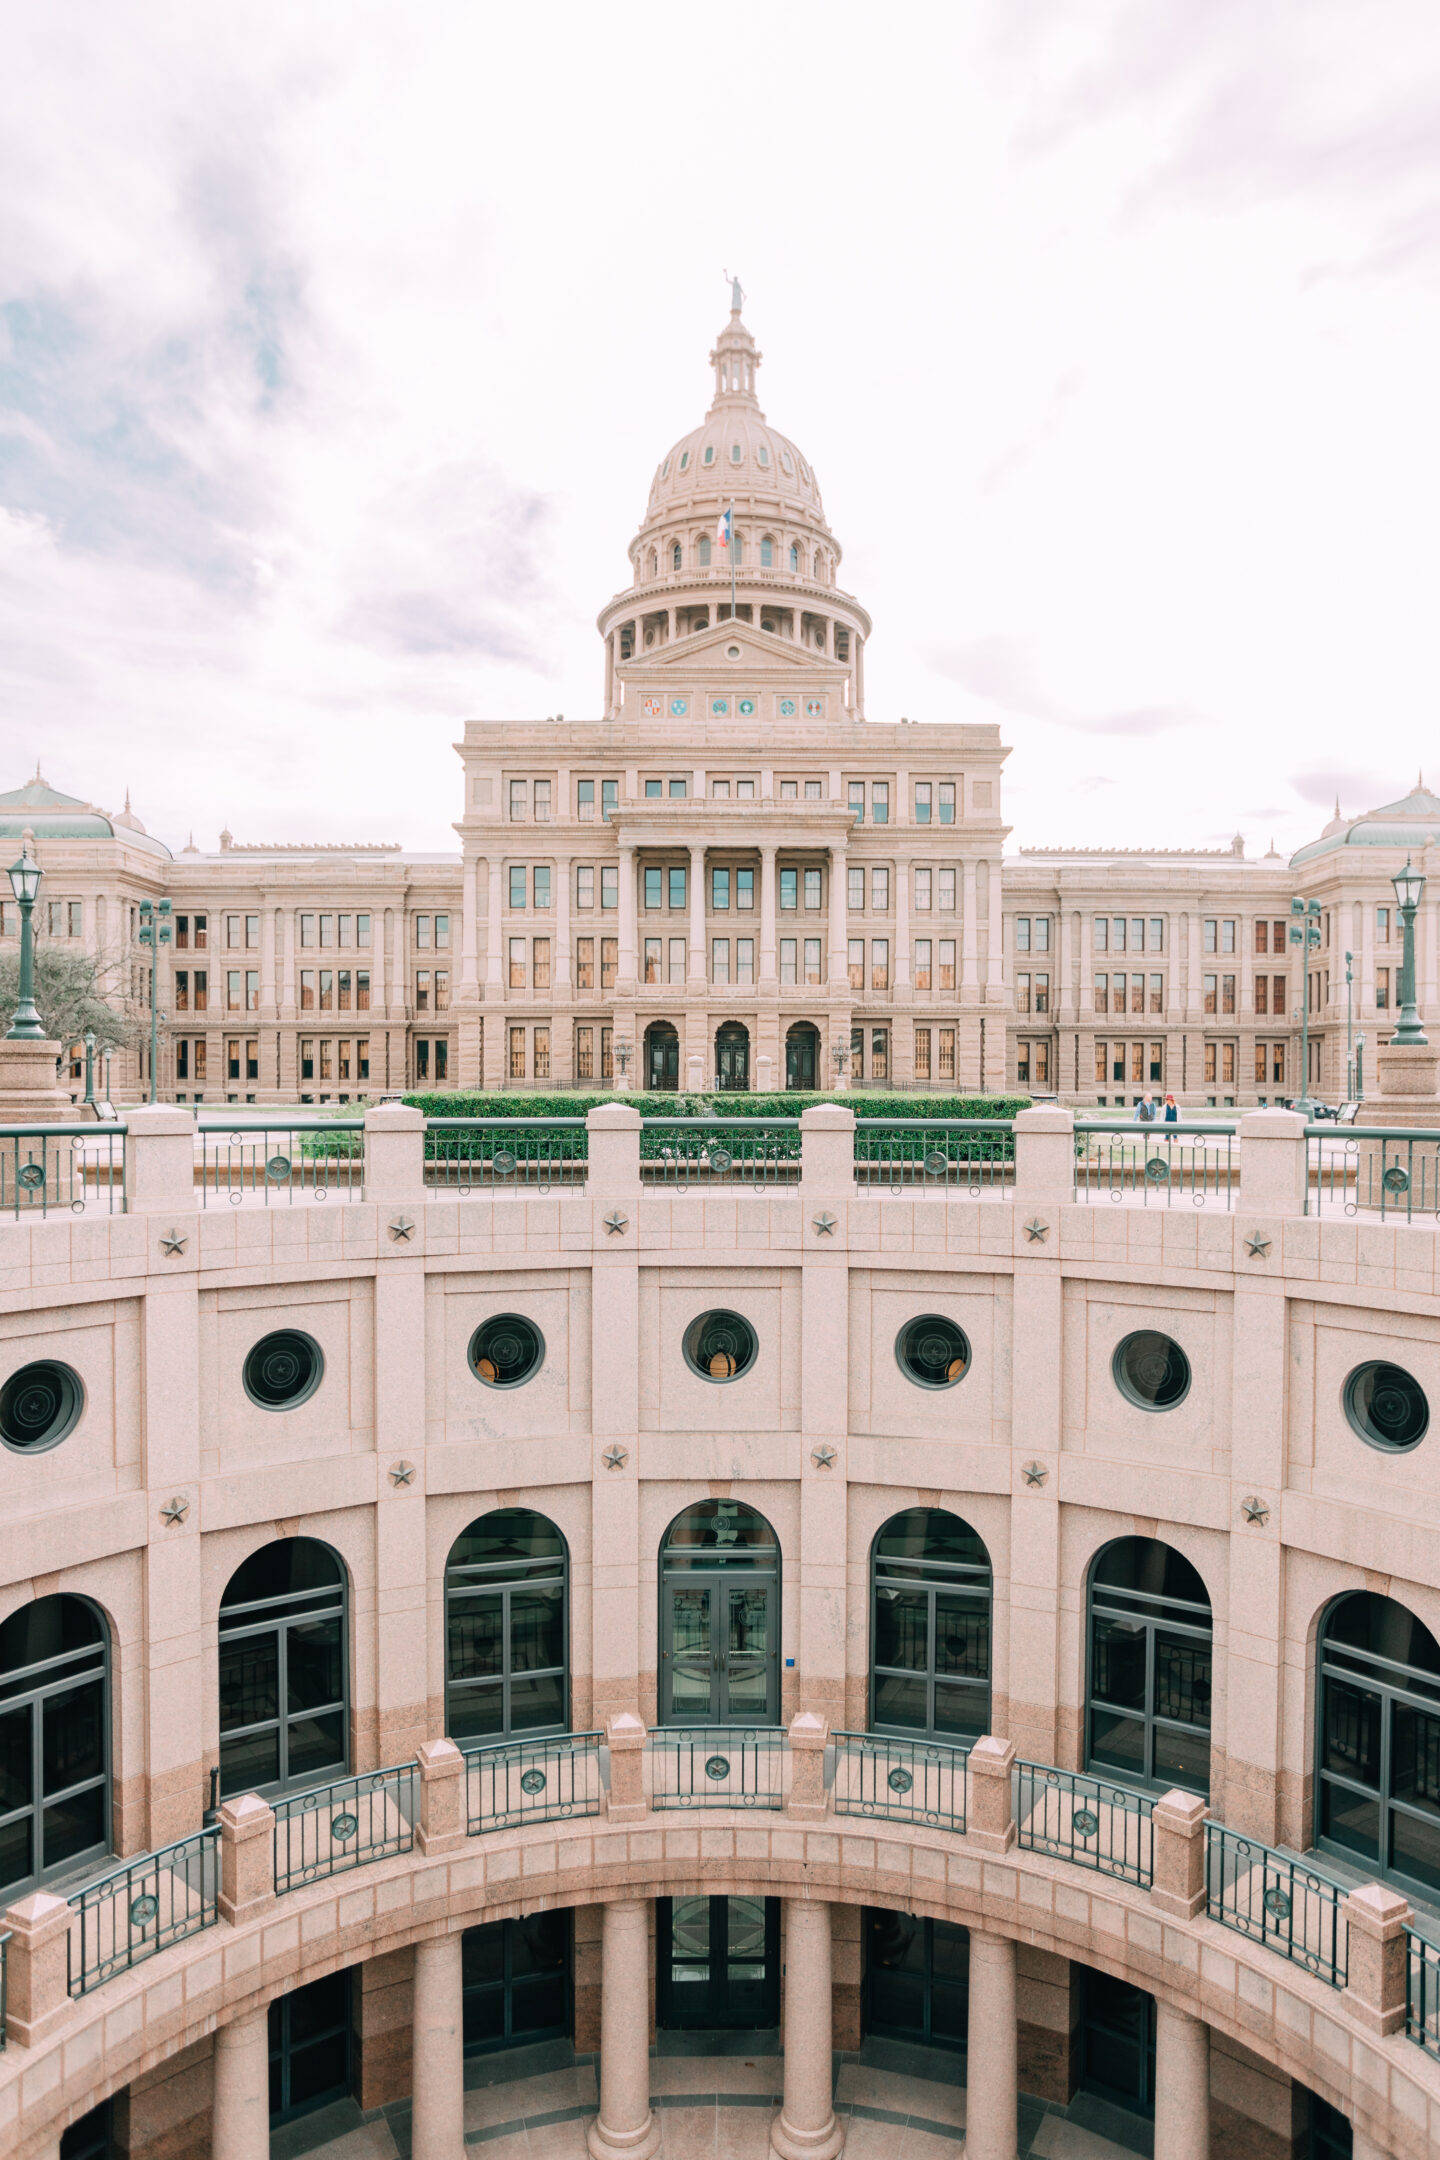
(709, 654)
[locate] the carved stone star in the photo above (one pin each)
(824, 1223)
(401, 1473)
(616, 1223)
(1258, 1245)
(615, 1458)
(1034, 1473)
(402, 1229)
(174, 1242)
(1254, 1509)
(175, 1511)
(1037, 1231)
(823, 1458)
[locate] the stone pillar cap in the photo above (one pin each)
(809, 1729)
(1377, 1910)
(1045, 1117)
(246, 1812)
(624, 1729)
(395, 1117)
(1185, 1808)
(827, 1117)
(1271, 1125)
(155, 1120)
(992, 1754)
(613, 1116)
(38, 1913)
(439, 1758)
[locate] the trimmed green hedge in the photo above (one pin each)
(454, 1104)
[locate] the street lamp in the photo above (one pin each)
(623, 1052)
(840, 1052)
(1349, 1045)
(25, 875)
(90, 1065)
(1409, 884)
(1304, 932)
(154, 932)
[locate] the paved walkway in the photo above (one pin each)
(716, 2094)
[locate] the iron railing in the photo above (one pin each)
(717, 1766)
(275, 1163)
(1283, 1902)
(914, 1781)
(970, 1155)
(62, 1169)
(138, 1910)
(1422, 1992)
(470, 1155)
(1379, 1171)
(1089, 1821)
(515, 1782)
(1157, 1165)
(695, 1153)
(345, 1825)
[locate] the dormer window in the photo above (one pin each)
(734, 453)
(704, 551)
(665, 470)
(794, 555)
(684, 459)
(676, 556)
(763, 454)
(767, 552)
(709, 453)
(804, 475)
(785, 461)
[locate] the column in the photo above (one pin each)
(969, 932)
(625, 2128)
(268, 998)
(625, 968)
(902, 925)
(1182, 2085)
(697, 970)
(991, 2118)
(995, 947)
(469, 929)
(839, 920)
(564, 874)
(805, 2128)
(240, 2114)
(768, 977)
(859, 677)
(437, 2076)
(494, 923)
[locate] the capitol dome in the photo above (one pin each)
(735, 450)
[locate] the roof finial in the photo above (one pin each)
(737, 294)
(1337, 806)
(127, 798)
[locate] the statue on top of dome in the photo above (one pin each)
(737, 294)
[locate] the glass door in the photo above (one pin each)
(718, 1962)
(719, 1661)
(732, 1058)
(516, 1981)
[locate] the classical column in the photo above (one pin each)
(625, 967)
(469, 928)
(839, 919)
(995, 943)
(625, 2128)
(969, 931)
(1182, 2085)
(437, 2076)
(903, 875)
(991, 2118)
(494, 924)
(564, 873)
(806, 2128)
(697, 970)
(240, 2113)
(768, 978)
(859, 676)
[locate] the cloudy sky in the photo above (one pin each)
(338, 344)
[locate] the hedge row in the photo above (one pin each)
(453, 1104)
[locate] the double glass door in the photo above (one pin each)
(719, 1660)
(732, 1059)
(718, 1962)
(663, 1060)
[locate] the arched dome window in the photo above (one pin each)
(506, 1629)
(719, 1617)
(767, 552)
(709, 453)
(735, 453)
(703, 551)
(54, 1742)
(677, 556)
(284, 1693)
(930, 1591)
(817, 565)
(650, 564)
(1148, 1716)
(795, 556)
(763, 454)
(1378, 1795)
(684, 461)
(786, 462)
(738, 547)
(665, 470)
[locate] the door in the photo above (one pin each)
(663, 1045)
(516, 1981)
(719, 1660)
(800, 1058)
(717, 1962)
(732, 1058)
(309, 2047)
(917, 1978)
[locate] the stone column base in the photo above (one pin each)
(640, 2144)
(792, 2144)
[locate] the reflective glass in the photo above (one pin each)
(276, 1570)
(1118, 1742)
(251, 1762)
(475, 1632)
(537, 1702)
(1182, 1678)
(16, 1780)
(1351, 1744)
(73, 1746)
(1415, 1758)
(537, 1630)
(962, 1636)
(900, 1702)
(249, 1680)
(902, 1628)
(316, 1744)
(74, 1826)
(313, 1665)
(1415, 1848)
(1350, 1820)
(1181, 1758)
(1118, 1666)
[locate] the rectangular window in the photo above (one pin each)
(720, 889)
(947, 1054)
(1117, 933)
(880, 802)
(720, 789)
(677, 959)
(1277, 1062)
(880, 891)
(1261, 1063)
(609, 796)
(362, 990)
(1022, 933)
(947, 892)
(342, 1065)
(584, 1051)
(252, 1061)
(679, 789)
(307, 1057)
(346, 927)
(252, 990)
(1157, 933)
(422, 1057)
(880, 963)
(252, 929)
(677, 888)
(1227, 993)
(654, 886)
(307, 930)
(1022, 993)
(922, 1041)
(585, 963)
(1137, 1062)
(1210, 982)
(1042, 933)
(540, 888)
(922, 817)
(584, 885)
(654, 789)
(1157, 1061)
(1211, 936)
(232, 990)
(422, 989)
(1262, 944)
(1382, 989)
(1211, 1064)
(517, 963)
(518, 892)
(923, 885)
(607, 1053)
(542, 802)
(10, 926)
(814, 791)
(1101, 933)
(788, 791)
(517, 1053)
(609, 961)
(880, 1054)
(442, 930)
(517, 802)
(1022, 1064)
(1227, 934)
(720, 960)
(232, 1058)
(745, 890)
(922, 963)
(812, 889)
(540, 969)
(789, 889)
(745, 791)
(1042, 993)
(422, 930)
(182, 1059)
(327, 929)
(812, 960)
(1157, 993)
(1137, 933)
(1227, 1064)
(1102, 993)
(745, 960)
(585, 809)
(947, 802)
(1382, 926)
(857, 800)
(787, 959)
(654, 958)
(362, 937)
(947, 964)
(182, 990)
(1042, 1064)
(610, 887)
(855, 960)
(542, 1054)
(855, 894)
(232, 932)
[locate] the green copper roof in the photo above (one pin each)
(1413, 822)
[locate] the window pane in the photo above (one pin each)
(316, 1744)
(1351, 1742)
(902, 1623)
(74, 1826)
(899, 1701)
(313, 1665)
(537, 1702)
(1118, 1668)
(16, 1780)
(249, 1681)
(1118, 1742)
(537, 1635)
(475, 1636)
(1182, 1679)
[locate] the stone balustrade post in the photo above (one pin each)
(395, 1155)
(159, 1159)
(626, 1737)
(1376, 1920)
(1182, 2084)
(827, 1152)
(613, 1144)
(37, 1967)
(806, 2127)
(442, 1796)
(993, 2051)
(240, 2112)
(1272, 1163)
(625, 2127)
(1177, 1883)
(1044, 1158)
(809, 1737)
(247, 1858)
(437, 2074)
(990, 1815)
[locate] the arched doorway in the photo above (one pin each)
(54, 1742)
(930, 1590)
(732, 1057)
(1378, 1791)
(506, 1628)
(284, 1669)
(1147, 1714)
(802, 1056)
(662, 1058)
(719, 1617)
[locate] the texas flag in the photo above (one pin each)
(722, 530)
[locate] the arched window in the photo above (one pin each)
(719, 1617)
(1148, 1713)
(284, 1694)
(54, 1742)
(795, 555)
(506, 1628)
(1378, 1792)
(817, 566)
(767, 552)
(930, 1591)
(677, 555)
(704, 551)
(650, 564)
(737, 547)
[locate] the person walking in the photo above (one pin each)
(1172, 1114)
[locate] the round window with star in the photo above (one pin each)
(1387, 1407)
(932, 1351)
(720, 1346)
(506, 1351)
(283, 1370)
(1151, 1371)
(40, 1406)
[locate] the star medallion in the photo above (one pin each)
(1037, 1231)
(616, 1223)
(402, 1229)
(175, 1242)
(175, 1511)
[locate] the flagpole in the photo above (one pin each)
(732, 560)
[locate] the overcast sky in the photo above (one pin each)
(338, 344)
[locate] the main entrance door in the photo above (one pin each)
(719, 1618)
(662, 1058)
(732, 1057)
(717, 1961)
(802, 1056)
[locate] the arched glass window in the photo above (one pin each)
(1378, 1791)
(54, 1742)
(930, 1627)
(284, 1697)
(817, 566)
(767, 552)
(650, 563)
(704, 551)
(738, 547)
(795, 555)
(719, 1617)
(506, 1628)
(1148, 1713)
(676, 556)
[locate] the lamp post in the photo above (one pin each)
(1304, 932)
(154, 932)
(840, 1052)
(90, 1065)
(623, 1051)
(25, 877)
(1349, 1046)
(1409, 886)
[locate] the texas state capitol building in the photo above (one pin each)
(739, 878)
